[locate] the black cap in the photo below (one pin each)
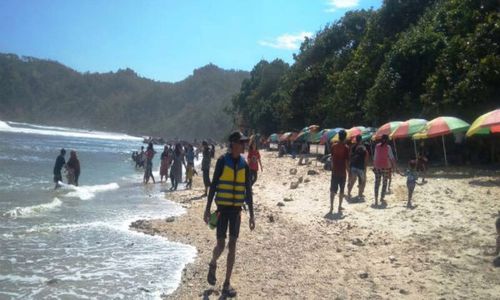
(237, 137)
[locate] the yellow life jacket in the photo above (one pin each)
(230, 190)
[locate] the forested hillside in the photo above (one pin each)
(412, 58)
(47, 92)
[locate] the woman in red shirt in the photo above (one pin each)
(253, 159)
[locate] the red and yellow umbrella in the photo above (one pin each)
(442, 126)
(486, 124)
(387, 128)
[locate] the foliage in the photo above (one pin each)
(413, 58)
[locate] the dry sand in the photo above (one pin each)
(439, 250)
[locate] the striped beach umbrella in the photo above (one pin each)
(486, 124)
(408, 128)
(274, 138)
(387, 128)
(442, 126)
(328, 135)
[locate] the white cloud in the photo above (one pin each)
(341, 4)
(287, 41)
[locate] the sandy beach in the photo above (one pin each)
(441, 249)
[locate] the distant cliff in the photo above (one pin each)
(47, 92)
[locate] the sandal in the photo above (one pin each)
(228, 291)
(211, 274)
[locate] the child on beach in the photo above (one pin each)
(411, 180)
(190, 172)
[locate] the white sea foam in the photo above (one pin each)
(62, 131)
(33, 210)
(88, 192)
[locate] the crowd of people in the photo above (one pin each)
(172, 161)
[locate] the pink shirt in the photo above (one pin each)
(253, 159)
(383, 156)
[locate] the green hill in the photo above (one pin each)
(47, 92)
(411, 58)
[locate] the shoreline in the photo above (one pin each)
(439, 249)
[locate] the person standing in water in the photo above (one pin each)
(383, 163)
(176, 171)
(60, 162)
(165, 163)
(205, 166)
(148, 172)
(190, 160)
(232, 187)
(73, 167)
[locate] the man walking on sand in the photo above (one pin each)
(232, 187)
(359, 160)
(340, 163)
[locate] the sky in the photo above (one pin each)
(164, 40)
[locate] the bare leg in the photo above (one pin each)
(332, 197)
(352, 181)
(410, 194)
(384, 187)
(231, 257)
(216, 253)
(377, 186)
(361, 187)
(341, 197)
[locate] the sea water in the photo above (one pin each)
(75, 242)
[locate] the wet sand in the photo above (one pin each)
(441, 249)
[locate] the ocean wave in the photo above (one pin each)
(87, 192)
(33, 210)
(62, 131)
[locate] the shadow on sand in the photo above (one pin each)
(334, 216)
(354, 200)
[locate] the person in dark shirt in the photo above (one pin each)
(205, 166)
(359, 160)
(60, 162)
(232, 188)
(73, 167)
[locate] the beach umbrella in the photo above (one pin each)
(486, 124)
(328, 134)
(442, 126)
(493, 119)
(367, 135)
(408, 129)
(387, 128)
(351, 133)
(313, 128)
(288, 136)
(274, 138)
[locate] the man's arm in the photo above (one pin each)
(219, 166)
(248, 191)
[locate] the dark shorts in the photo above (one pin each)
(206, 178)
(337, 183)
(231, 219)
(57, 177)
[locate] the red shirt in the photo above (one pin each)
(253, 159)
(340, 155)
